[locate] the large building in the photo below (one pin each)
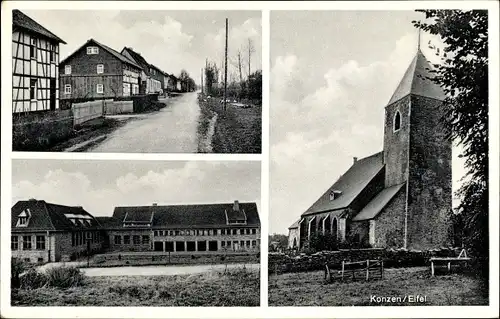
(96, 71)
(150, 77)
(35, 66)
(400, 197)
(43, 232)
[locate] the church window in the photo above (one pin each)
(397, 121)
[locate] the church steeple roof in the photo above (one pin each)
(416, 81)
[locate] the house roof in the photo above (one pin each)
(113, 52)
(188, 216)
(416, 80)
(350, 184)
(295, 224)
(47, 216)
(138, 58)
(21, 20)
(375, 206)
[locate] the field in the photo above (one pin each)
(309, 289)
(236, 287)
(238, 130)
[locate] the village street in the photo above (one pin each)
(173, 129)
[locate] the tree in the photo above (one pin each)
(463, 74)
(187, 83)
(255, 86)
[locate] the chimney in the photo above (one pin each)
(236, 206)
(354, 160)
(32, 199)
(155, 204)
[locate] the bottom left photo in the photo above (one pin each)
(135, 233)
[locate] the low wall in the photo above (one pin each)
(142, 103)
(86, 111)
(118, 107)
(281, 263)
(38, 131)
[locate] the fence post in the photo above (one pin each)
(381, 269)
(368, 269)
(342, 270)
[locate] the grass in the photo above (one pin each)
(310, 289)
(235, 287)
(238, 130)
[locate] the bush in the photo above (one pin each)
(17, 267)
(33, 279)
(64, 277)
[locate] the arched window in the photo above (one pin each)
(335, 229)
(294, 242)
(397, 121)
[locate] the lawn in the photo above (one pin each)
(236, 287)
(237, 130)
(310, 289)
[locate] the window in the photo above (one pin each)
(247, 231)
(100, 88)
(40, 242)
(155, 233)
(26, 242)
(248, 243)
(126, 240)
(33, 49)
(137, 239)
(397, 121)
(67, 69)
(145, 239)
(254, 243)
(234, 231)
(52, 53)
(32, 89)
(67, 90)
(92, 50)
(118, 240)
(335, 194)
(14, 242)
(100, 68)
(254, 231)
(222, 243)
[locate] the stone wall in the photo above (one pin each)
(389, 224)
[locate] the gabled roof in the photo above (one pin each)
(138, 58)
(296, 224)
(47, 216)
(375, 206)
(188, 216)
(416, 81)
(350, 184)
(20, 20)
(113, 52)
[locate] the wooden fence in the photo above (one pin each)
(83, 112)
(362, 269)
(118, 107)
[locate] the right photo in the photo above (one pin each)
(378, 158)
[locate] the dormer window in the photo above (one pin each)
(335, 194)
(23, 218)
(397, 121)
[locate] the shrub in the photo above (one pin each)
(17, 267)
(33, 279)
(64, 277)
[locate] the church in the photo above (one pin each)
(400, 197)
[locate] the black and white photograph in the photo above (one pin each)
(137, 81)
(146, 233)
(379, 158)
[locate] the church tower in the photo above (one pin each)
(417, 153)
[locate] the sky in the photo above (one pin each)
(101, 185)
(332, 74)
(171, 40)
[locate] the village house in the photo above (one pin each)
(150, 78)
(35, 66)
(158, 85)
(211, 228)
(96, 71)
(44, 232)
(172, 83)
(400, 197)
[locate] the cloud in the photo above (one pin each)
(320, 122)
(195, 182)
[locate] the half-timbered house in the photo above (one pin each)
(35, 65)
(150, 78)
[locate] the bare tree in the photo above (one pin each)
(251, 50)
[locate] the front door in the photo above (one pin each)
(52, 93)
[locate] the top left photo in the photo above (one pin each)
(137, 81)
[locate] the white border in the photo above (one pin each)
(263, 311)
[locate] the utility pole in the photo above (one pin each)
(241, 78)
(202, 81)
(225, 71)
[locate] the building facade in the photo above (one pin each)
(43, 232)
(150, 77)
(96, 71)
(400, 197)
(35, 66)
